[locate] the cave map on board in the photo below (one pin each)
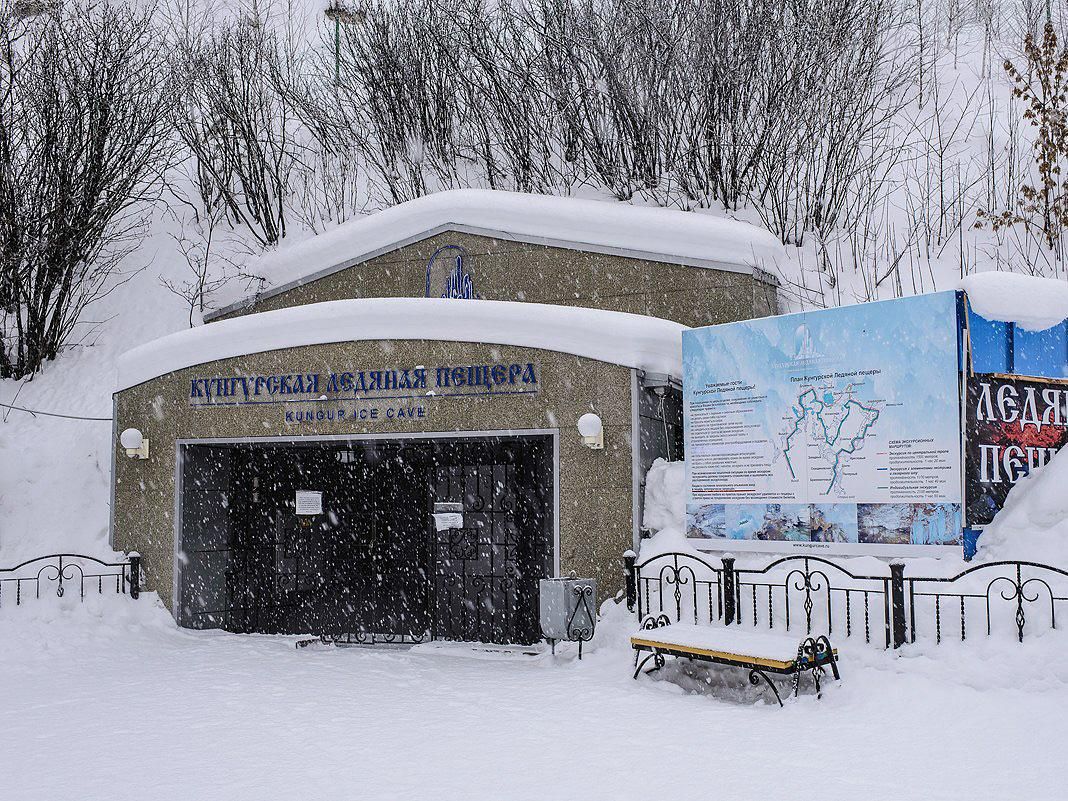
(834, 430)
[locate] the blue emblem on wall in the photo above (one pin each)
(449, 278)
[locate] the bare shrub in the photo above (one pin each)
(241, 132)
(84, 138)
(1043, 86)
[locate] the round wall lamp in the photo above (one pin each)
(592, 431)
(135, 443)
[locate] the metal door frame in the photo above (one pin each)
(180, 444)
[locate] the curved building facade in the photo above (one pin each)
(381, 445)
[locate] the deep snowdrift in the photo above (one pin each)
(665, 496)
(1033, 525)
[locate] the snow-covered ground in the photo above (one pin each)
(110, 700)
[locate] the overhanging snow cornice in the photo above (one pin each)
(629, 340)
(652, 234)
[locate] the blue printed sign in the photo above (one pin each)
(382, 384)
(836, 429)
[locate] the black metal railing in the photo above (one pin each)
(62, 570)
(814, 593)
(1015, 588)
(802, 586)
(686, 583)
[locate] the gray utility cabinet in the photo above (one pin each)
(568, 610)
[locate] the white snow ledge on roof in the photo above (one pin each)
(630, 340)
(1034, 304)
(599, 225)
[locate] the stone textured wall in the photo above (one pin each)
(595, 486)
(517, 271)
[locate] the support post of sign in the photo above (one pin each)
(729, 590)
(630, 579)
(897, 602)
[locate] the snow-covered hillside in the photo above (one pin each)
(55, 472)
(951, 142)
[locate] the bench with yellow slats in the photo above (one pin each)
(762, 652)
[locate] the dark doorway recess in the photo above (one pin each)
(371, 567)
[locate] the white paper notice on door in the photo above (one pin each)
(309, 502)
(443, 521)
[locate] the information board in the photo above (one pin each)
(836, 429)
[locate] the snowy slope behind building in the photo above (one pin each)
(951, 142)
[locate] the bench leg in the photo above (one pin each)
(830, 656)
(754, 680)
(658, 662)
(820, 652)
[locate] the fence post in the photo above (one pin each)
(897, 602)
(630, 580)
(729, 611)
(135, 575)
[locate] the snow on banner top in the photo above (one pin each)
(598, 225)
(1034, 304)
(630, 340)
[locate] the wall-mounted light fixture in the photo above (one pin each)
(135, 443)
(592, 431)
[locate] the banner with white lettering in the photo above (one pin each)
(1012, 425)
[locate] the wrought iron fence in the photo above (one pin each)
(820, 595)
(696, 586)
(1015, 588)
(63, 570)
(802, 586)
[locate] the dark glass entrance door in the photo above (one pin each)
(486, 573)
(390, 596)
(370, 565)
(359, 567)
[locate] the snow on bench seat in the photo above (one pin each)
(730, 644)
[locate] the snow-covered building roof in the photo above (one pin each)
(1035, 304)
(630, 340)
(654, 234)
